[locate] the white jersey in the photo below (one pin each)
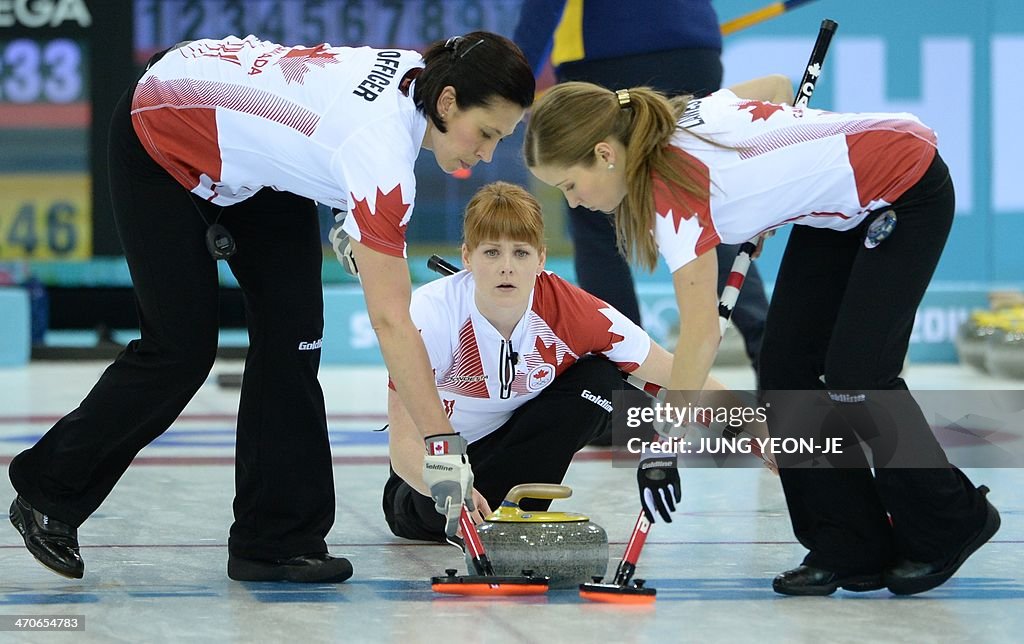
(229, 117)
(777, 164)
(482, 378)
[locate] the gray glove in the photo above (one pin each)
(340, 244)
(447, 473)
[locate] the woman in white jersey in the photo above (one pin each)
(525, 365)
(220, 152)
(682, 176)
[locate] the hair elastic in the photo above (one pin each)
(452, 44)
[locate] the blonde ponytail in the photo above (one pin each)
(571, 118)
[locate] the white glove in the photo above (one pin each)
(691, 433)
(687, 431)
(340, 244)
(663, 427)
(447, 473)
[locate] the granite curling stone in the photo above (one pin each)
(565, 546)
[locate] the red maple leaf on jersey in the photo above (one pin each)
(669, 200)
(681, 204)
(547, 354)
(382, 229)
(296, 62)
(541, 374)
(761, 110)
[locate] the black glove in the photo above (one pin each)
(658, 479)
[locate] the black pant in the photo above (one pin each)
(600, 269)
(535, 445)
(844, 312)
(284, 502)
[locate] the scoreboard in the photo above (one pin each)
(61, 62)
(404, 24)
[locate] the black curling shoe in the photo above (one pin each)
(808, 580)
(912, 577)
(53, 543)
(320, 568)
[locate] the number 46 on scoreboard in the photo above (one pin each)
(45, 217)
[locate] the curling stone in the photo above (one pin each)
(565, 546)
(1004, 351)
(972, 338)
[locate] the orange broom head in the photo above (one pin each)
(615, 594)
(487, 585)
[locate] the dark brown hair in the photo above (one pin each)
(481, 66)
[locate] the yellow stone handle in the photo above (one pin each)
(538, 491)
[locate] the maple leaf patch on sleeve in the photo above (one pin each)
(677, 241)
(382, 227)
(674, 201)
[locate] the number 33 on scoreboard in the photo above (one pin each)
(45, 216)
